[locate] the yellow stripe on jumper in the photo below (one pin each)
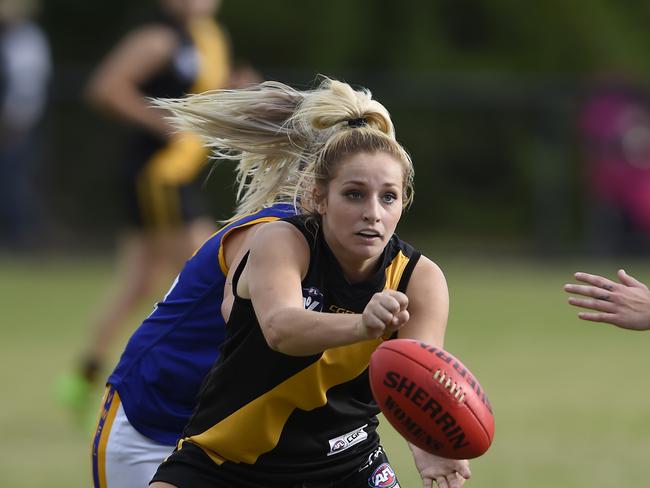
(257, 426)
(395, 270)
(174, 165)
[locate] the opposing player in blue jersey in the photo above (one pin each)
(288, 404)
(153, 389)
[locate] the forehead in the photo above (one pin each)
(377, 168)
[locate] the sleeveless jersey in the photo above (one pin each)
(272, 417)
(160, 372)
(199, 63)
(156, 170)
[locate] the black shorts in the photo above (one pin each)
(190, 467)
(156, 199)
(152, 205)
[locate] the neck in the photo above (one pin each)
(354, 270)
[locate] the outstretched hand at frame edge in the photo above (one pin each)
(625, 304)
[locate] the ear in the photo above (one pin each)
(320, 200)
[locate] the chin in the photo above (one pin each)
(368, 252)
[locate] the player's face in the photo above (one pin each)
(361, 206)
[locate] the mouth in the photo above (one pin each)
(369, 234)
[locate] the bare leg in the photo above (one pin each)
(136, 276)
(142, 260)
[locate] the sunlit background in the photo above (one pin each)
(529, 126)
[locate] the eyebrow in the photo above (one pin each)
(364, 183)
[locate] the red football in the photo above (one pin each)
(431, 399)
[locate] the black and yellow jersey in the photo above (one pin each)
(268, 416)
(200, 61)
(158, 173)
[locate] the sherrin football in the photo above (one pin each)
(431, 399)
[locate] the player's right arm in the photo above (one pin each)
(272, 279)
(114, 85)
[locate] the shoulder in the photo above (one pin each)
(278, 246)
(426, 276)
(281, 232)
(427, 267)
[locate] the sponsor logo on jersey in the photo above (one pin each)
(383, 477)
(312, 299)
(337, 309)
(345, 441)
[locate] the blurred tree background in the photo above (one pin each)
(484, 94)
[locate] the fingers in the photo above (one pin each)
(628, 280)
(401, 298)
(463, 469)
(596, 280)
(400, 318)
(442, 482)
(602, 292)
(588, 291)
(385, 313)
(453, 480)
(391, 305)
(609, 318)
(601, 304)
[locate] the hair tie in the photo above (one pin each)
(359, 122)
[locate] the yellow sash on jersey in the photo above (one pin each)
(256, 428)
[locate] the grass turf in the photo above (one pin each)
(571, 398)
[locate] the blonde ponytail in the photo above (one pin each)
(282, 138)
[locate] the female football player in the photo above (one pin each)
(288, 404)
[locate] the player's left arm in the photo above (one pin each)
(428, 304)
(428, 307)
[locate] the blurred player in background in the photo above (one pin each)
(181, 50)
(288, 404)
(625, 304)
(25, 69)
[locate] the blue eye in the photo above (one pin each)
(389, 197)
(353, 194)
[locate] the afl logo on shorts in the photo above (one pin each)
(312, 299)
(383, 477)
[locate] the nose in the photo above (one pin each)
(371, 213)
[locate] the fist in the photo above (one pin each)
(385, 313)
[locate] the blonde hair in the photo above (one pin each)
(287, 141)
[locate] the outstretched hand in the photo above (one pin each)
(625, 304)
(446, 473)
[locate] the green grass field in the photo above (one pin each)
(571, 399)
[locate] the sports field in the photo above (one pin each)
(571, 399)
